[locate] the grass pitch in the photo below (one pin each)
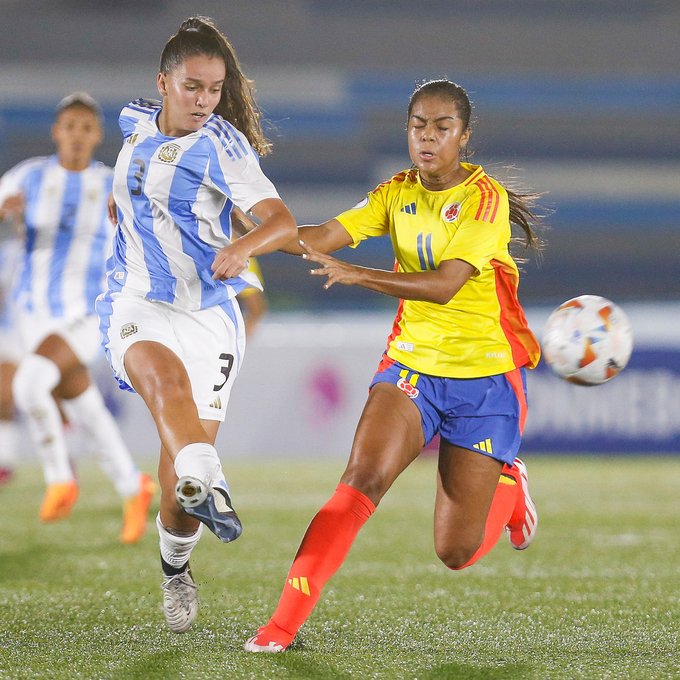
(596, 596)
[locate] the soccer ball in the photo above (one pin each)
(587, 340)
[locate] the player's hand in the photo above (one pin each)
(336, 270)
(13, 208)
(112, 209)
(229, 261)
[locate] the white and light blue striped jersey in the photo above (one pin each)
(67, 235)
(11, 251)
(174, 197)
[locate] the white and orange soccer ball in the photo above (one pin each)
(587, 340)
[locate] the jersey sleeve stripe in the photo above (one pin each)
(474, 176)
(229, 141)
(489, 201)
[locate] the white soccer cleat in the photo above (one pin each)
(523, 524)
(180, 601)
(210, 505)
(269, 648)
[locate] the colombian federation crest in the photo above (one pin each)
(168, 153)
(406, 387)
(450, 212)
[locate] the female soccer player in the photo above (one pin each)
(171, 325)
(10, 254)
(62, 202)
(454, 363)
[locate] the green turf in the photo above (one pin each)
(597, 595)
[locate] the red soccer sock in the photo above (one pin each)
(323, 549)
(502, 507)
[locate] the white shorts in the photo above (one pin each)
(10, 345)
(209, 342)
(82, 334)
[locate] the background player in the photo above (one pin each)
(10, 354)
(454, 362)
(61, 200)
(172, 327)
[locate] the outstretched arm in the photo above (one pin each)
(326, 238)
(276, 227)
(438, 285)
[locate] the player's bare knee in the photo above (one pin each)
(370, 482)
(456, 555)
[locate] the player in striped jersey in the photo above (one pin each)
(62, 202)
(10, 354)
(170, 321)
(454, 363)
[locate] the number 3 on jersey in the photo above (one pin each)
(138, 177)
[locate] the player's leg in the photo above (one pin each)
(9, 435)
(171, 358)
(388, 438)
(84, 406)
(179, 534)
(480, 491)
(472, 506)
(161, 379)
(38, 375)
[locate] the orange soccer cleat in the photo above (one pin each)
(58, 501)
(523, 523)
(136, 510)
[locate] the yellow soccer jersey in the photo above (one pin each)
(254, 267)
(482, 330)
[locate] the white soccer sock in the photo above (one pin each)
(9, 439)
(176, 550)
(201, 461)
(33, 383)
(89, 412)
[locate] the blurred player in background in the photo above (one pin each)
(10, 354)
(62, 202)
(172, 328)
(454, 364)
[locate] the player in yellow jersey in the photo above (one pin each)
(454, 362)
(253, 302)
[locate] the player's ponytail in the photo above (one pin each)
(199, 35)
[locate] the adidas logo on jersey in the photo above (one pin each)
(217, 403)
(409, 208)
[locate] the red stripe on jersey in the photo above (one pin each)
(489, 201)
(399, 177)
(497, 202)
(483, 198)
(515, 380)
(513, 321)
(473, 177)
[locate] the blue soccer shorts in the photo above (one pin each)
(485, 415)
